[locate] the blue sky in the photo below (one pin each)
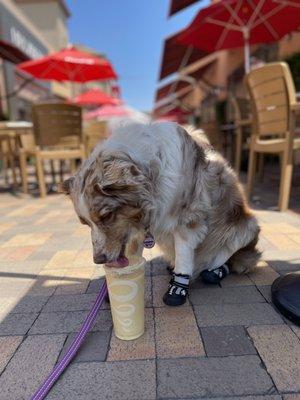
(130, 33)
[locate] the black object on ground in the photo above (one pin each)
(286, 296)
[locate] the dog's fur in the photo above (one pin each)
(157, 177)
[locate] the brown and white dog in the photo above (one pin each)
(159, 178)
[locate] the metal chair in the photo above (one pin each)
(57, 129)
(273, 102)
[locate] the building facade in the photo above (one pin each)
(23, 24)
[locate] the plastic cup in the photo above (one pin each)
(126, 288)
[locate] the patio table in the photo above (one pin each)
(11, 132)
(15, 129)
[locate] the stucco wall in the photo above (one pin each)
(49, 18)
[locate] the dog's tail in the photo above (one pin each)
(246, 258)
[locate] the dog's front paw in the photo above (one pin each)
(177, 291)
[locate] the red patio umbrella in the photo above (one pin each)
(108, 112)
(95, 97)
(70, 64)
(236, 23)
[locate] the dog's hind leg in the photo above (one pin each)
(245, 259)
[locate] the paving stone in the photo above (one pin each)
(148, 291)
(124, 380)
(8, 345)
(31, 239)
(16, 324)
(265, 244)
(46, 282)
(159, 266)
(236, 280)
(141, 348)
(236, 295)
(211, 377)
(30, 365)
(263, 274)
(295, 237)
(282, 242)
(160, 285)
(266, 292)
(41, 254)
(84, 259)
(177, 334)
(73, 281)
(280, 350)
(27, 304)
(66, 322)
(148, 267)
(278, 228)
(236, 314)
(264, 397)
(79, 302)
(94, 285)
(226, 341)
(12, 287)
(4, 226)
(285, 266)
(61, 259)
(71, 288)
(22, 269)
(20, 253)
(296, 330)
(283, 260)
(94, 347)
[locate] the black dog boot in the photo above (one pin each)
(177, 291)
(215, 276)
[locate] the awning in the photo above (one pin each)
(163, 109)
(170, 88)
(177, 5)
(179, 85)
(198, 73)
(11, 53)
(176, 56)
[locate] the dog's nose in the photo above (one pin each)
(100, 259)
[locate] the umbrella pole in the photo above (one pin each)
(246, 50)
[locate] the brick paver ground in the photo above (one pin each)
(227, 342)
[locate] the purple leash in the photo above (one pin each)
(42, 392)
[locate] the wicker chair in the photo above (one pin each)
(94, 132)
(273, 101)
(57, 132)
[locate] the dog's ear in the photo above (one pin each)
(66, 186)
(119, 175)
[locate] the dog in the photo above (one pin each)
(158, 179)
